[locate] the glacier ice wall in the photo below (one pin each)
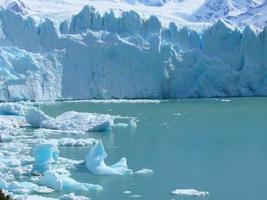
(103, 56)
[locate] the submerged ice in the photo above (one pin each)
(95, 162)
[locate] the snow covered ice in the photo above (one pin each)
(42, 63)
(70, 121)
(95, 162)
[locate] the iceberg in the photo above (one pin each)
(72, 196)
(71, 120)
(189, 192)
(44, 156)
(62, 182)
(95, 162)
(22, 187)
(144, 171)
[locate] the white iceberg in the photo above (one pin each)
(72, 196)
(144, 171)
(45, 155)
(22, 187)
(71, 120)
(95, 162)
(62, 182)
(189, 192)
(76, 142)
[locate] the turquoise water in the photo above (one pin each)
(211, 145)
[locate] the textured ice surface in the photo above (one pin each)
(84, 58)
(70, 121)
(95, 162)
(63, 182)
(189, 192)
(45, 155)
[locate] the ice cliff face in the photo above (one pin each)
(103, 56)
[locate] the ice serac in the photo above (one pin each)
(95, 162)
(104, 56)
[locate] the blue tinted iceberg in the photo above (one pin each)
(95, 162)
(45, 155)
(62, 182)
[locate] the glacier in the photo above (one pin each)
(105, 56)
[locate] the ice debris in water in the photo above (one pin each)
(76, 142)
(18, 109)
(144, 171)
(45, 155)
(72, 196)
(189, 192)
(62, 182)
(95, 162)
(70, 121)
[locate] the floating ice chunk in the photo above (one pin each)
(45, 155)
(95, 162)
(22, 187)
(127, 192)
(13, 109)
(144, 171)
(76, 142)
(9, 123)
(189, 192)
(132, 123)
(31, 197)
(6, 138)
(136, 196)
(72, 196)
(3, 184)
(70, 121)
(62, 182)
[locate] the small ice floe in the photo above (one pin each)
(13, 109)
(144, 172)
(176, 114)
(72, 196)
(8, 124)
(189, 192)
(95, 162)
(61, 182)
(136, 196)
(31, 197)
(76, 121)
(22, 187)
(127, 192)
(225, 100)
(44, 156)
(132, 124)
(76, 142)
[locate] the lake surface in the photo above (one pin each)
(212, 145)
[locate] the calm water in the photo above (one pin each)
(214, 146)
